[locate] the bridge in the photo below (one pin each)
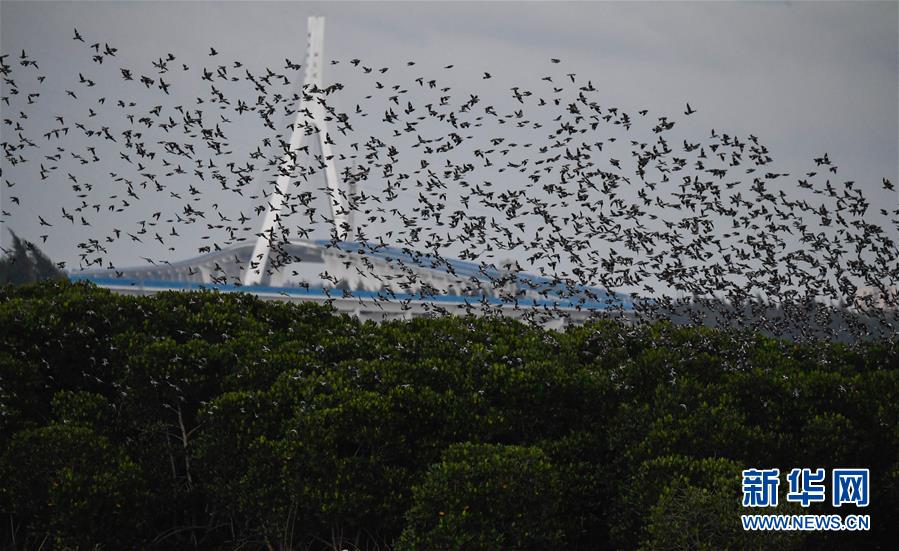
(371, 281)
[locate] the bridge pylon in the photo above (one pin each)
(310, 124)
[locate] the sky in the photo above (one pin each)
(805, 77)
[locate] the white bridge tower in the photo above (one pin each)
(310, 123)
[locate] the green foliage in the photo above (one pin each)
(208, 420)
(486, 496)
(72, 488)
(708, 519)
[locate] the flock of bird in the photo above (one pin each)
(577, 190)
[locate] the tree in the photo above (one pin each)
(485, 497)
(26, 263)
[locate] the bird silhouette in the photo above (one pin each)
(602, 210)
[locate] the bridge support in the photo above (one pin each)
(310, 123)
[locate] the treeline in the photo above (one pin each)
(26, 263)
(220, 421)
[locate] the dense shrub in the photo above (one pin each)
(486, 496)
(205, 420)
(70, 487)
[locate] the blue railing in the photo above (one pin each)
(319, 292)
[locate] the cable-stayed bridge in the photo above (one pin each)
(372, 281)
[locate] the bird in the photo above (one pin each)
(588, 196)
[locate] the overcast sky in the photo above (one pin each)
(806, 77)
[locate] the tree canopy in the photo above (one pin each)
(217, 421)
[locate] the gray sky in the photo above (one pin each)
(806, 77)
